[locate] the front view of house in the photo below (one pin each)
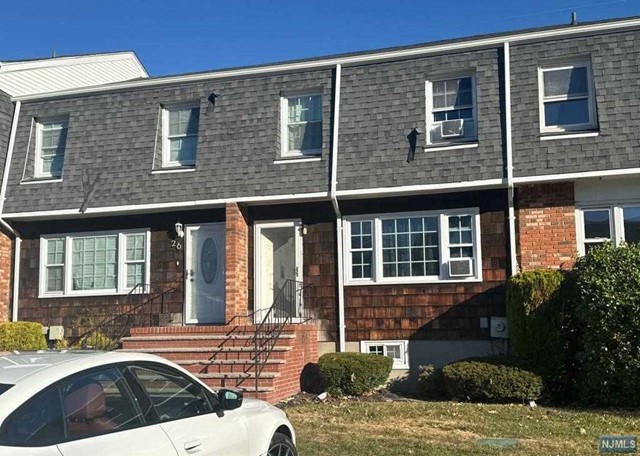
(383, 196)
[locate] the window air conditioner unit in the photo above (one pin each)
(452, 128)
(460, 267)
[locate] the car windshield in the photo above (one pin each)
(4, 387)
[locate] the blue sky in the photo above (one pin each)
(178, 36)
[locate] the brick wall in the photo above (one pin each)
(546, 226)
(236, 262)
(6, 269)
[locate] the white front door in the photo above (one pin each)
(205, 274)
(278, 266)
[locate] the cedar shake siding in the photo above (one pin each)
(444, 311)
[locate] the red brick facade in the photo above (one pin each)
(237, 262)
(6, 264)
(546, 226)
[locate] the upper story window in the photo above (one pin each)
(567, 99)
(302, 125)
(51, 140)
(451, 111)
(413, 248)
(93, 263)
(180, 135)
(617, 223)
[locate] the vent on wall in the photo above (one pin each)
(460, 267)
(452, 128)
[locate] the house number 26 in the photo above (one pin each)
(176, 244)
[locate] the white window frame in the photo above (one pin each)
(616, 223)
(284, 125)
(121, 286)
(443, 245)
(430, 109)
(593, 121)
(166, 143)
(39, 172)
(402, 363)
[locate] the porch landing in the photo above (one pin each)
(223, 356)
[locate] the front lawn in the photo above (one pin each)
(447, 428)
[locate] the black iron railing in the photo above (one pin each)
(142, 309)
(287, 308)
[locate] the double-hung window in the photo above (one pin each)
(93, 263)
(567, 99)
(51, 140)
(413, 247)
(301, 125)
(616, 223)
(180, 135)
(451, 111)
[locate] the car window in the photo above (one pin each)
(173, 394)
(98, 402)
(4, 387)
(38, 422)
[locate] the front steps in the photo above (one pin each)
(222, 356)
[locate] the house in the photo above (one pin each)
(402, 185)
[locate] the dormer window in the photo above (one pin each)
(180, 135)
(302, 125)
(451, 110)
(51, 140)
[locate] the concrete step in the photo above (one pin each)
(224, 341)
(239, 375)
(186, 362)
(177, 337)
(245, 354)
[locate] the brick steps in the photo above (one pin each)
(222, 356)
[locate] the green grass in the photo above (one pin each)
(447, 428)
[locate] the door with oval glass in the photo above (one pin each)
(204, 274)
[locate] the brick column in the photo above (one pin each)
(546, 226)
(6, 270)
(236, 263)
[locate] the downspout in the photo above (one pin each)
(336, 209)
(513, 259)
(3, 191)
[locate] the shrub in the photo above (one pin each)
(608, 286)
(22, 335)
(542, 328)
(430, 382)
(354, 374)
(490, 381)
(97, 341)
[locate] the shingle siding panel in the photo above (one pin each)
(615, 61)
(6, 116)
(382, 103)
(113, 136)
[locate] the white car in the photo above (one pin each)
(85, 403)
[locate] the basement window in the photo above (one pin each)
(397, 350)
(93, 264)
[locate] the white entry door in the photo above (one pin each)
(278, 266)
(204, 274)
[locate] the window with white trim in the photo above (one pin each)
(451, 111)
(567, 99)
(301, 125)
(397, 350)
(51, 141)
(412, 247)
(180, 135)
(93, 263)
(616, 223)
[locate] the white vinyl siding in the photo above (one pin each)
(51, 141)
(410, 247)
(180, 135)
(567, 98)
(301, 125)
(451, 99)
(93, 263)
(397, 350)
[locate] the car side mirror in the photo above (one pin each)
(230, 399)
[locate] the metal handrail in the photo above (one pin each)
(287, 308)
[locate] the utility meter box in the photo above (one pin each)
(499, 328)
(56, 332)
